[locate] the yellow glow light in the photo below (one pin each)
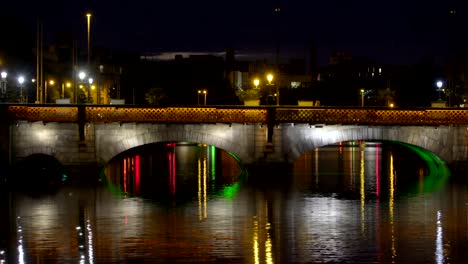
(93, 87)
(68, 85)
(51, 82)
(270, 77)
(256, 82)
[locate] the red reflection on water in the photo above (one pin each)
(137, 174)
(377, 169)
(125, 175)
(171, 157)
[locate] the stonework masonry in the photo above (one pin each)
(249, 142)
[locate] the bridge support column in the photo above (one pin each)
(81, 121)
(271, 112)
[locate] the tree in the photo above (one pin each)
(154, 96)
(385, 96)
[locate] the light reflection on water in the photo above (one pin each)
(191, 203)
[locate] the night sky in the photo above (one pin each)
(390, 31)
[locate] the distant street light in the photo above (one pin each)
(81, 75)
(269, 78)
(362, 97)
(68, 85)
(90, 81)
(439, 85)
(3, 84)
(51, 83)
(88, 16)
(21, 81)
(256, 82)
(204, 92)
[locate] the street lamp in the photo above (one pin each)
(362, 97)
(204, 92)
(439, 85)
(51, 83)
(68, 85)
(88, 16)
(21, 81)
(3, 84)
(81, 75)
(256, 82)
(270, 79)
(90, 81)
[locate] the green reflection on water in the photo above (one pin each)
(227, 190)
(115, 189)
(438, 170)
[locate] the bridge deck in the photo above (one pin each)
(234, 114)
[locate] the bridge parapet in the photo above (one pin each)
(87, 133)
(127, 114)
(372, 116)
(238, 114)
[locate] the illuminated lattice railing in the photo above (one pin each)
(176, 115)
(134, 114)
(43, 113)
(370, 116)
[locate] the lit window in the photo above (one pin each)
(380, 70)
(295, 84)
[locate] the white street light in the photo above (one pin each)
(3, 83)
(439, 85)
(21, 81)
(81, 75)
(90, 81)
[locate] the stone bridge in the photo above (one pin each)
(85, 134)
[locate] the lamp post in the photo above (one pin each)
(204, 92)
(90, 81)
(81, 76)
(51, 83)
(88, 18)
(362, 97)
(3, 84)
(256, 82)
(68, 85)
(270, 79)
(439, 85)
(21, 81)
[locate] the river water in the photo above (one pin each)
(354, 202)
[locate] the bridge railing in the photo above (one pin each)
(234, 114)
(374, 116)
(137, 114)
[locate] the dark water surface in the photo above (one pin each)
(355, 202)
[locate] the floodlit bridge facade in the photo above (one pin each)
(87, 134)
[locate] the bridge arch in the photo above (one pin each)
(109, 144)
(37, 172)
(305, 138)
